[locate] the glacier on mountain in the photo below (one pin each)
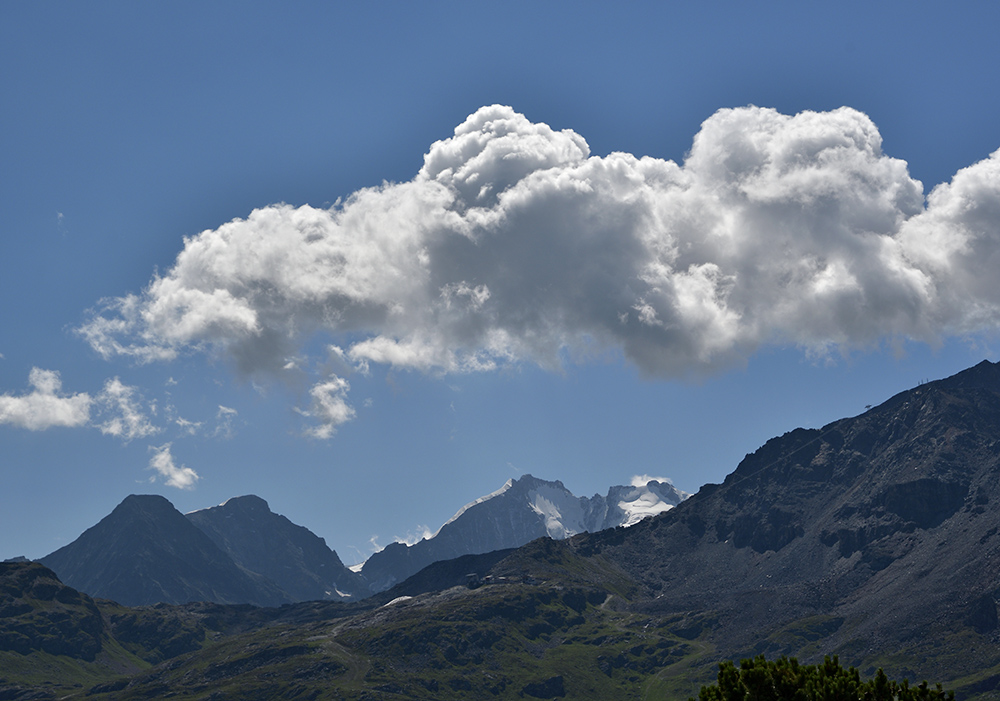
(520, 511)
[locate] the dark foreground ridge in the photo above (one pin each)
(874, 538)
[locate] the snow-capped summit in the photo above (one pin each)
(521, 511)
(647, 496)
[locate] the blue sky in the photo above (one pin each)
(569, 285)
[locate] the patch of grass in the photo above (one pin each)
(968, 661)
(514, 637)
(62, 675)
(502, 641)
(801, 638)
(693, 659)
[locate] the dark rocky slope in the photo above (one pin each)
(146, 552)
(291, 556)
(883, 530)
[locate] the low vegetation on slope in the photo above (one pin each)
(785, 679)
(498, 640)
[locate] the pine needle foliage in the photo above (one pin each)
(784, 679)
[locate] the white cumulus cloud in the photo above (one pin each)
(46, 405)
(512, 243)
(163, 463)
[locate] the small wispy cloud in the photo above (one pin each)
(118, 410)
(225, 419)
(123, 406)
(186, 427)
(221, 425)
(162, 462)
(421, 532)
(643, 480)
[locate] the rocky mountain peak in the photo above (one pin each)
(152, 504)
(147, 552)
(292, 556)
(250, 503)
(524, 509)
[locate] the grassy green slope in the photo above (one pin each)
(501, 640)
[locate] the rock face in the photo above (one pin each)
(291, 556)
(519, 512)
(885, 528)
(147, 552)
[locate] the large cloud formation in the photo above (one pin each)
(513, 244)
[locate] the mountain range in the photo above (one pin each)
(146, 552)
(521, 511)
(875, 538)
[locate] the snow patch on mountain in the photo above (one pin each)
(646, 498)
(522, 510)
(561, 512)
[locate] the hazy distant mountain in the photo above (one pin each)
(147, 552)
(522, 510)
(291, 556)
